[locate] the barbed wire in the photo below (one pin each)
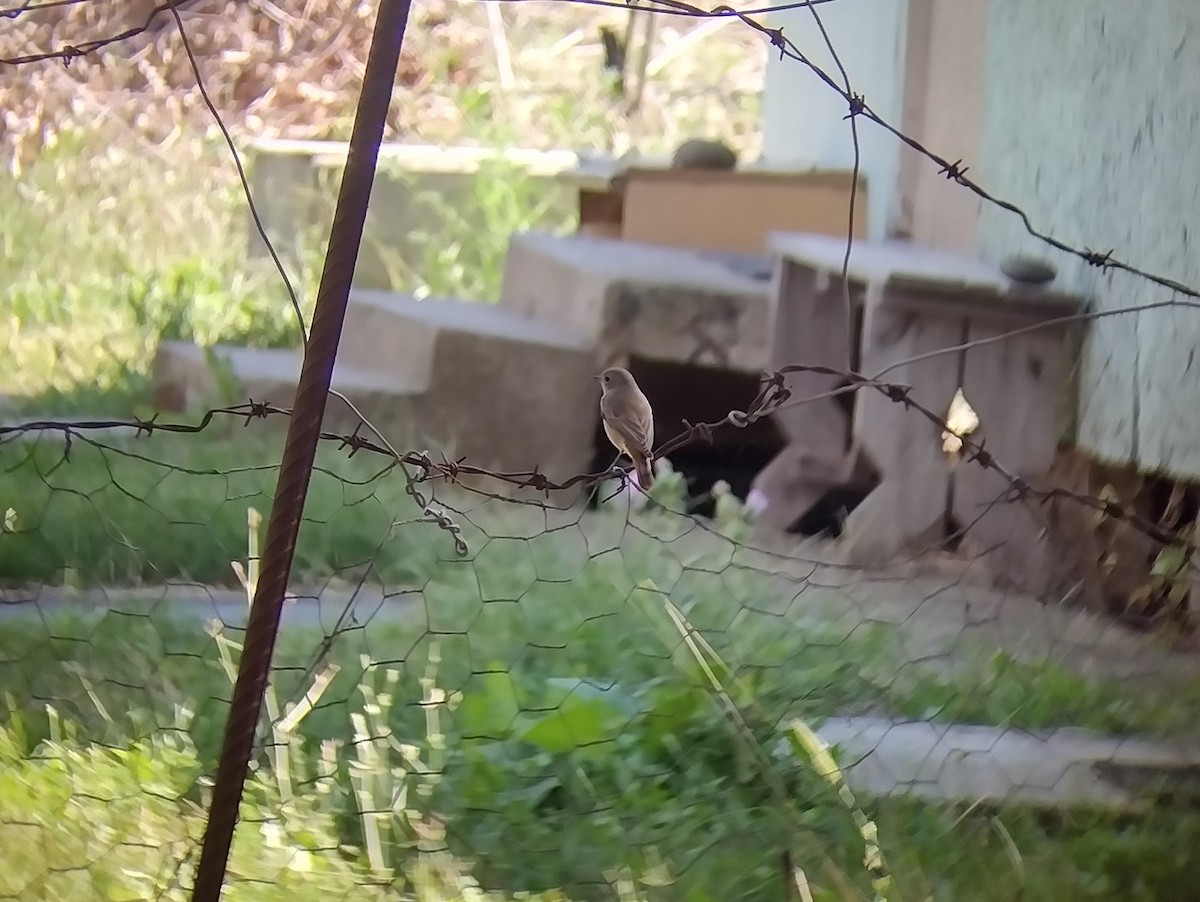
(453, 470)
(69, 52)
(772, 397)
(35, 5)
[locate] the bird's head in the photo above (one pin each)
(615, 377)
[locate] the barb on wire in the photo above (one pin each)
(856, 104)
(13, 12)
(429, 511)
(421, 467)
(954, 171)
(424, 468)
(248, 412)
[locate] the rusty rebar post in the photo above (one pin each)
(300, 450)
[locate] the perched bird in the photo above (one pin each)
(628, 421)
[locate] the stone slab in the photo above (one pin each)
(394, 334)
(506, 391)
(455, 379)
(964, 763)
(906, 268)
(639, 300)
(509, 403)
(416, 187)
(184, 380)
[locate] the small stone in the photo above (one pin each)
(697, 153)
(1030, 270)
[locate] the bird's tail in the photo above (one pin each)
(645, 472)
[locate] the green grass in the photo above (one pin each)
(105, 252)
(177, 510)
(122, 228)
(122, 838)
(127, 512)
(540, 784)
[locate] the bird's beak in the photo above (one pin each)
(597, 376)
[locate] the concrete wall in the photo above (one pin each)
(1091, 117)
(803, 122)
(420, 191)
(942, 90)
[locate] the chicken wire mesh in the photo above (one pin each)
(588, 700)
(512, 692)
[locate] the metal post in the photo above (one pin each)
(300, 450)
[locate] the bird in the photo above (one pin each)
(628, 421)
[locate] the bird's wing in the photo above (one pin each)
(635, 426)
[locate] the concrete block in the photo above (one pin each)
(286, 195)
(395, 335)
(452, 378)
(639, 300)
(970, 764)
(185, 381)
(505, 391)
(420, 190)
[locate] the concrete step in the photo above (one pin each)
(400, 337)
(977, 764)
(506, 391)
(184, 382)
(654, 302)
(453, 378)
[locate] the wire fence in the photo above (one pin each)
(256, 654)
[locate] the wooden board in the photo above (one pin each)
(736, 210)
(1014, 387)
(908, 507)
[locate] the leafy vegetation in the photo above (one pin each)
(538, 715)
(105, 253)
(541, 765)
(140, 264)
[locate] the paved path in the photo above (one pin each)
(953, 762)
(308, 609)
(945, 619)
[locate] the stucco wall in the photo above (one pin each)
(803, 122)
(1091, 123)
